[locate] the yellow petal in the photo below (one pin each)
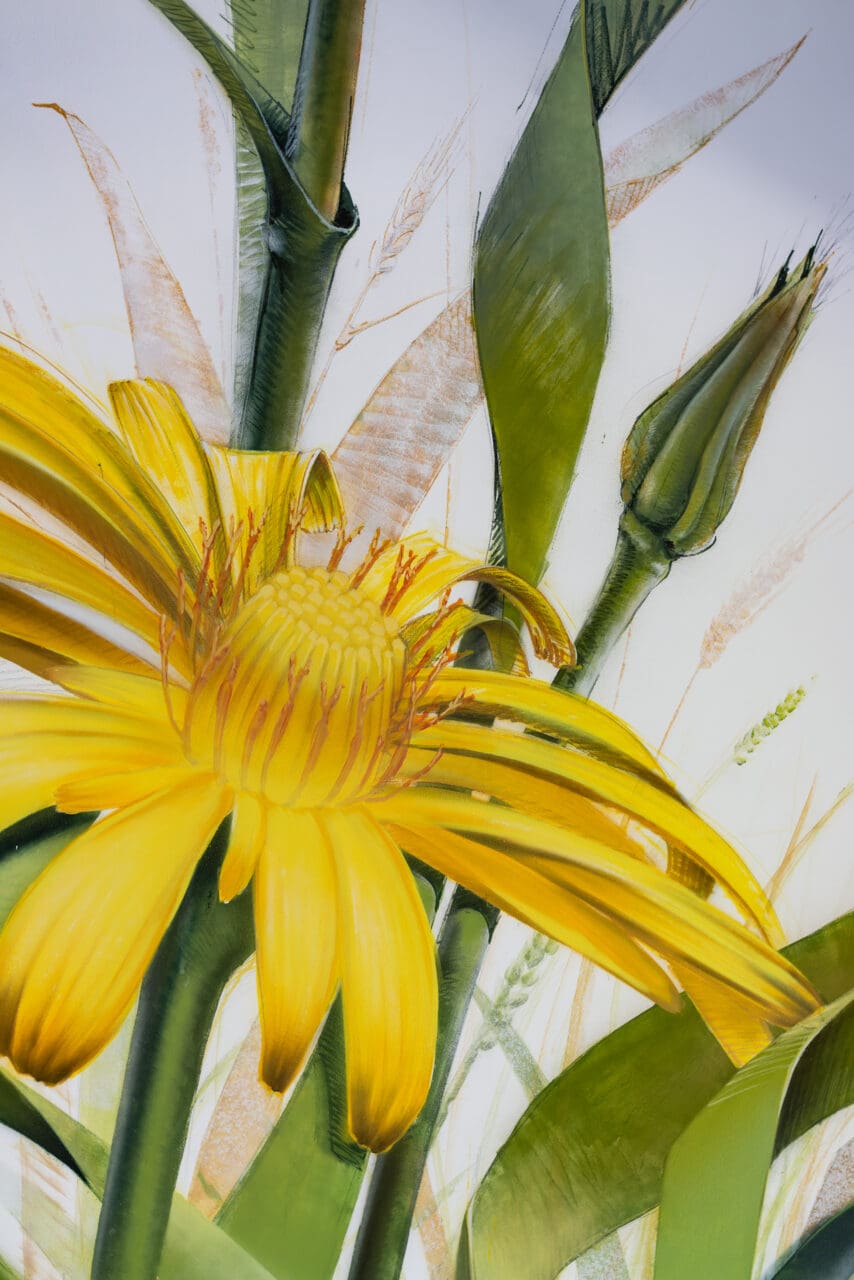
(655, 909)
(428, 636)
(49, 741)
(39, 638)
(136, 694)
(539, 706)
(530, 794)
(439, 568)
(118, 790)
(295, 931)
(511, 885)
(388, 980)
(54, 450)
(270, 490)
(658, 808)
(738, 1029)
(248, 833)
(28, 555)
(161, 437)
(76, 947)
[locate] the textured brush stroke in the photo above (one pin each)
(404, 435)
(643, 162)
(167, 341)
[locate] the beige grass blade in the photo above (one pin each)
(411, 424)
(167, 341)
(641, 163)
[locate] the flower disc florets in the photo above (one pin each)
(298, 702)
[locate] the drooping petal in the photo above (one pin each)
(76, 947)
(295, 927)
(658, 911)
(658, 808)
(429, 636)
(388, 979)
(270, 491)
(433, 568)
(245, 842)
(53, 449)
(511, 885)
(165, 443)
(40, 638)
(541, 707)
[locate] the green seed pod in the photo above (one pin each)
(685, 456)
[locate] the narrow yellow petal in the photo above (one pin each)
(438, 568)
(118, 790)
(738, 1029)
(49, 741)
(270, 490)
(248, 833)
(28, 555)
(53, 449)
(141, 695)
(539, 706)
(76, 947)
(295, 930)
(658, 911)
(528, 793)
(161, 437)
(388, 980)
(511, 885)
(431, 634)
(658, 808)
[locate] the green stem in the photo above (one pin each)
(310, 218)
(384, 1232)
(203, 946)
(639, 563)
(323, 100)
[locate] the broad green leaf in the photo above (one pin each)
(714, 1182)
(27, 848)
(588, 1155)
(7, 1272)
(618, 33)
(541, 305)
(267, 36)
(195, 1248)
(293, 1206)
(826, 1254)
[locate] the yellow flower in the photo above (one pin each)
(215, 671)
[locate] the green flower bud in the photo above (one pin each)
(685, 455)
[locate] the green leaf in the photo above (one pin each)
(714, 1182)
(826, 1254)
(618, 33)
(541, 305)
(293, 1206)
(588, 1156)
(195, 1248)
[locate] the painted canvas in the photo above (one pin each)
(425, 616)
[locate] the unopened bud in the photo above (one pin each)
(685, 456)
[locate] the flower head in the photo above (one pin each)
(218, 670)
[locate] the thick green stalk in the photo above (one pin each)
(205, 943)
(323, 100)
(384, 1232)
(309, 220)
(639, 563)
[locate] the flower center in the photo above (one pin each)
(298, 701)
